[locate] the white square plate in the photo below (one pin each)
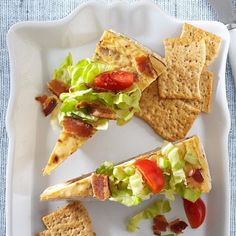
(36, 48)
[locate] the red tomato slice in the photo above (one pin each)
(115, 80)
(152, 174)
(195, 212)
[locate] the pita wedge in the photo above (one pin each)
(212, 41)
(184, 164)
(206, 83)
(170, 118)
(122, 53)
(66, 145)
(129, 55)
(185, 60)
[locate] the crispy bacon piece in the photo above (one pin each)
(57, 87)
(77, 127)
(100, 187)
(196, 175)
(48, 103)
(160, 224)
(177, 226)
(98, 110)
(144, 65)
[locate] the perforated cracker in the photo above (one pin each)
(206, 82)
(71, 229)
(212, 41)
(74, 212)
(170, 118)
(185, 61)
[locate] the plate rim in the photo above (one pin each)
(62, 21)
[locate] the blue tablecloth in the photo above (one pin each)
(13, 11)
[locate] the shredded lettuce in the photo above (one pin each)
(175, 177)
(105, 169)
(167, 146)
(187, 193)
(62, 73)
(79, 76)
(127, 186)
(124, 103)
(157, 208)
(85, 71)
(191, 158)
(163, 163)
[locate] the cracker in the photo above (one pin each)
(212, 41)
(170, 118)
(185, 61)
(122, 52)
(44, 233)
(206, 82)
(74, 212)
(71, 229)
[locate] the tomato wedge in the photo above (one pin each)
(115, 80)
(195, 212)
(152, 174)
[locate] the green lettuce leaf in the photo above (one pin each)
(62, 73)
(191, 157)
(85, 71)
(124, 103)
(127, 186)
(105, 169)
(79, 76)
(157, 208)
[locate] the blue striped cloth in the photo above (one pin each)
(13, 11)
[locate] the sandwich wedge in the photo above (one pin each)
(180, 168)
(94, 91)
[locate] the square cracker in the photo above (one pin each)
(206, 82)
(170, 118)
(212, 41)
(71, 229)
(74, 212)
(185, 61)
(44, 233)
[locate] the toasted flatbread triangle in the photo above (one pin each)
(65, 146)
(125, 51)
(122, 51)
(82, 186)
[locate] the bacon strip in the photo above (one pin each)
(48, 103)
(77, 127)
(196, 175)
(160, 224)
(100, 187)
(98, 110)
(57, 87)
(144, 65)
(177, 226)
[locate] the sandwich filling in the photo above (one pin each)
(94, 93)
(173, 169)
